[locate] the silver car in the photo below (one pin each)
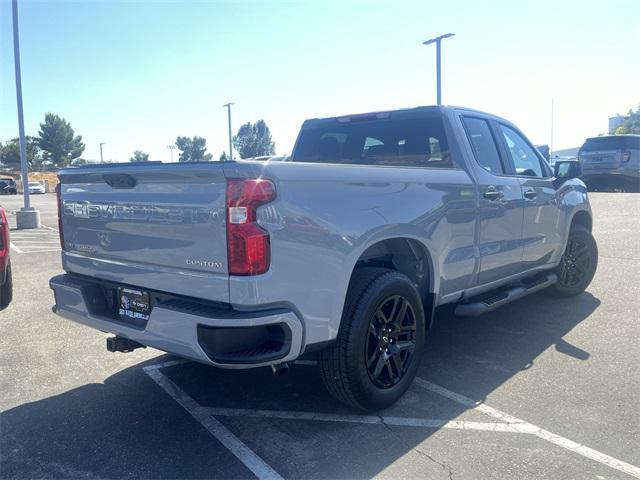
(36, 188)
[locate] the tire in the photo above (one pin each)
(6, 290)
(370, 367)
(578, 264)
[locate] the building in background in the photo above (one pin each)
(614, 122)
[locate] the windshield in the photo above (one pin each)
(620, 142)
(410, 143)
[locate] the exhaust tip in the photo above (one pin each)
(280, 370)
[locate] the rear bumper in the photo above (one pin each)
(215, 336)
(619, 173)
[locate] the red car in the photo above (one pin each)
(6, 288)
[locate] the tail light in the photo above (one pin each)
(4, 237)
(626, 155)
(248, 245)
(59, 199)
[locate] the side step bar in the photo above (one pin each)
(502, 297)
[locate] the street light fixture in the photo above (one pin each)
(228, 105)
(437, 41)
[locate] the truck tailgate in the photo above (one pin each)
(157, 226)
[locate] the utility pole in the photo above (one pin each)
(101, 159)
(551, 140)
(27, 217)
(228, 105)
(171, 149)
(437, 41)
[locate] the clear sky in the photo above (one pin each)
(137, 74)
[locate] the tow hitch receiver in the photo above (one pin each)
(122, 344)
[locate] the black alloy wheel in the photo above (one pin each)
(578, 264)
(575, 263)
(390, 341)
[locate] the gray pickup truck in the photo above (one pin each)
(344, 249)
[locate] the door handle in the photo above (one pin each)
(492, 194)
(530, 194)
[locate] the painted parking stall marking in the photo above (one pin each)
(39, 240)
(232, 443)
(504, 422)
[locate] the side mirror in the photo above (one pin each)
(567, 169)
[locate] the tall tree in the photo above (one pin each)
(139, 156)
(192, 149)
(58, 141)
(254, 140)
(630, 124)
(10, 154)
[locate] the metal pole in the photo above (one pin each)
(437, 41)
(101, 159)
(228, 105)
(23, 149)
(551, 140)
(439, 71)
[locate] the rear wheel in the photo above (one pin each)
(379, 346)
(578, 264)
(6, 290)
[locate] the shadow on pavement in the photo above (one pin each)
(129, 427)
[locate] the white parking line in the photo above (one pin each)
(15, 249)
(370, 419)
(42, 250)
(205, 415)
(537, 431)
(31, 240)
(232, 443)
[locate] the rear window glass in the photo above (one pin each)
(403, 143)
(620, 142)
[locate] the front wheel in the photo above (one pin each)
(578, 264)
(379, 345)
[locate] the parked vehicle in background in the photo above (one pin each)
(345, 248)
(36, 188)
(8, 186)
(545, 152)
(6, 285)
(611, 162)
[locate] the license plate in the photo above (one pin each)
(134, 304)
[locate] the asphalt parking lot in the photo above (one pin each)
(543, 388)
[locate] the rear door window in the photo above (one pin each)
(402, 143)
(483, 144)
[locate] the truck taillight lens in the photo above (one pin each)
(626, 155)
(59, 199)
(248, 244)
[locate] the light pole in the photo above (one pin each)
(171, 149)
(551, 139)
(437, 41)
(101, 159)
(228, 105)
(26, 217)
